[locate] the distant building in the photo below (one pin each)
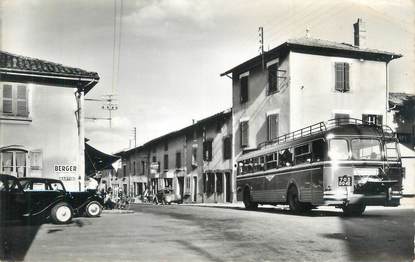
(305, 81)
(194, 162)
(41, 119)
(402, 120)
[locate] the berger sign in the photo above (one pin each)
(65, 168)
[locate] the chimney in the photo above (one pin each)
(359, 33)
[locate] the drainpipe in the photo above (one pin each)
(80, 96)
(81, 136)
(387, 94)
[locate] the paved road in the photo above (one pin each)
(190, 233)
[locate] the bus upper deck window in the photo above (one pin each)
(366, 149)
(338, 149)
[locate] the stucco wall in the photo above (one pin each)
(259, 104)
(313, 97)
(53, 130)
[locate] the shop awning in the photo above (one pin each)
(96, 160)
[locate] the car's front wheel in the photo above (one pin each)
(61, 213)
(93, 209)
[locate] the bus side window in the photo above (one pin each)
(319, 149)
(302, 154)
(271, 160)
(285, 158)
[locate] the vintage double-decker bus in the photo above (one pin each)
(346, 163)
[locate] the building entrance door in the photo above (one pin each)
(194, 189)
(228, 187)
(181, 186)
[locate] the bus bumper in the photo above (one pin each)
(391, 198)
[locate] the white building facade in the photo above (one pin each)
(41, 132)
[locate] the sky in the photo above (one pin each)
(169, 53)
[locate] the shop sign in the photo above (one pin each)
(66, 173)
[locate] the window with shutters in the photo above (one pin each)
(207, 150)
(166, 162)
(273, 79)
(244, 127)
(14, 100)
(178, 159)
(244, 89)
(272, 126)
(342, 83)
(35, 158)
(372, 119)
(227, 148)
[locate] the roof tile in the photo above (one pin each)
(12, 62)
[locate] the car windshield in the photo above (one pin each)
(366, 149)
(338, 149)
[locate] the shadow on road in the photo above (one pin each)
(381, 235)
(16, 240)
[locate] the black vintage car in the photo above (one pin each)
(87, 203)
(31, 206)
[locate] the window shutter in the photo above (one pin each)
(339, 72)
(22, 101)
(346, 77)
(35, 158)
(273, 78)
(272, 126)
(244, 89)
(244, 133)
(7, 99)
(227, 148)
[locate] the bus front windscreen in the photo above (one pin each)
(338, 149)
(366, 149)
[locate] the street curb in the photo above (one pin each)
(117, 211)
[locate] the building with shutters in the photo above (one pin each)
(41, 119)
(304, 81)
(195, 162)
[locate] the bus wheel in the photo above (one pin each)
(354, 210)
(294, 202)
(247, 200)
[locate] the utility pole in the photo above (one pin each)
(109, 105)
(135, 136)
(261, 44)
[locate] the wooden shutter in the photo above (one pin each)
(244, 134)
(273, 78)
(178, 160)
(244, 89)
(166, 162)
(7, 99)
(227, 148)
(21, 101)
(339, 76)
(346, 86)
(272, 126)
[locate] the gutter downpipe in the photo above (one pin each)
(387, 94)
(80, 95)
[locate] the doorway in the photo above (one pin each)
(181, 186)
(194, 189)
(228, 187)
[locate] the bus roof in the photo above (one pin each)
(337, 127)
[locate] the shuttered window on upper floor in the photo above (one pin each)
(342, 83)
(272, 124)
(244, 130)
(273, 78)
(244, 89)
(14, 100)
